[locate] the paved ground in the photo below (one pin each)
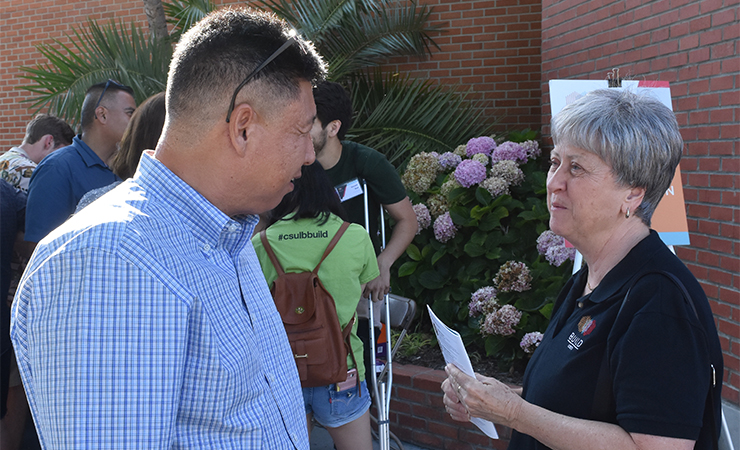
(320, 440)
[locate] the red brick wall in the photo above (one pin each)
(417, 414)
(694, 46)
(493, 47)
(25, 24)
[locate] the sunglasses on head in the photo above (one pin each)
(107, 85)
(277, 53)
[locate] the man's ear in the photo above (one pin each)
(333, 128)
(241, 124)
(100, 113)
(48, 141)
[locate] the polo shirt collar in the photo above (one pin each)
(635, 262)
(208, 223)
(89, 157)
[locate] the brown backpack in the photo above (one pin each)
(319, 345)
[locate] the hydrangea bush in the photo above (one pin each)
(483, 257)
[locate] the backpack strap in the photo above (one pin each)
(332, 244)
(271, 253)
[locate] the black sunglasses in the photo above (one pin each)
(277, 53)
(107, 85)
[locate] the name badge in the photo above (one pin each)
(349, 189)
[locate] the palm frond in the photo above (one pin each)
(366, 40)
(183, 14)
(313, 19)
(96, 54)
(401, 116)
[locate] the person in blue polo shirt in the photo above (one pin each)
(61, 179)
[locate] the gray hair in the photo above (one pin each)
(636, 135)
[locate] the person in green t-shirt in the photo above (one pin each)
(302, 226)
(345, 162)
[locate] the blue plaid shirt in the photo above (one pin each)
(145, 322)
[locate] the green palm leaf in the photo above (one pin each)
(96, 54)
(183, 14)
(401, 116)
(313, 19)
(367, 40)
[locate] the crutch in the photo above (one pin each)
(381, 389)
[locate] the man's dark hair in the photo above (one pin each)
(218, 53)
(93, 99)
(44, 124)
(333, 103)
(313, 197)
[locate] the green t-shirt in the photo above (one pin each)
(299, 244)
(385, 187)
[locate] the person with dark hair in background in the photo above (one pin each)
(346, 163)
(60, 181)
(13, 404)
(631, 358)
(302, 226)
(44, 134)
(142, 133)
(145, 321)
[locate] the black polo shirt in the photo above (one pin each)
(659, 356)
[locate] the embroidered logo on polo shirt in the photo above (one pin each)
(585, 326)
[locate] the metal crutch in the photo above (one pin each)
(381, 390)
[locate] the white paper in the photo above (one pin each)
(454, 352)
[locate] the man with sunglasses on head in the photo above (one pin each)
(145, 321)
(60, 181)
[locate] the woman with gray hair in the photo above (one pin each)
(631, 358)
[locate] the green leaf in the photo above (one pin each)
(407, 268)
(431, 280)
(413, 252)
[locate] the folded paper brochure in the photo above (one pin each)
(454, 352)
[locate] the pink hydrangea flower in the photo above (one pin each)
(444, 228)
(423, 218)
(501, 322)
(483, 301)
(531, 341)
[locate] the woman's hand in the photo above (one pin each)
(485, 397)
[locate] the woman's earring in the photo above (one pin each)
(627, 216)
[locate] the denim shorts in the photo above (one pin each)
(333, 409)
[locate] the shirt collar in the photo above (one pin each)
(635, 262)
(86, 153)
(208, 223)
(21, 151)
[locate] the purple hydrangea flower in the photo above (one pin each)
(444, 228)
(501, 322)
(553, 248)
(532, 148)
(449, 160)
(509, 151)
(531, 341)
(423, 218)
(470, 172)
(483, 301)
(483, 144)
